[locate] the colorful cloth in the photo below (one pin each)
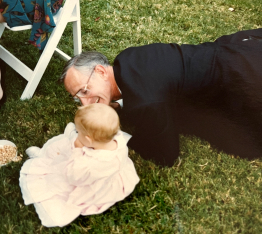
(39, 13)
(64, 182)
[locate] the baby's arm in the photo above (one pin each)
(58, 145)
(78, 169)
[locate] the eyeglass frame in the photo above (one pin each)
(77, 97)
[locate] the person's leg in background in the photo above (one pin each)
(2, 19)
(2, 83)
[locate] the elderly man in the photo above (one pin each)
(150, 79)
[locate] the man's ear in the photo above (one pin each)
(102, 71)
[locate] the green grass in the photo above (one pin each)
(205, 192)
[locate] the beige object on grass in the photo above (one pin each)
(8, 152)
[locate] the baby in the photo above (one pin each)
(84, 171)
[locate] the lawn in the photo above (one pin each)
(206, 191)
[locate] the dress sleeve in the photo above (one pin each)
(155, 135)
(78, 171)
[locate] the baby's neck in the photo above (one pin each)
(111, 145)
(78, 143)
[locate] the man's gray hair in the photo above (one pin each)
(85, 62)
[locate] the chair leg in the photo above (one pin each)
(77, 37)
(41, 65)
(77, 31)
(2, 82)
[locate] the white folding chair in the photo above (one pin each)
(70, 12)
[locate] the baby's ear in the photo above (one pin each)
(89, 139)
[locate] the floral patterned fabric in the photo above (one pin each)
(39, 13)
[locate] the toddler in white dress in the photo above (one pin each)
(84, 171)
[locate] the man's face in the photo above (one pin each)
(98, 85)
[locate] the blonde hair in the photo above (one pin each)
(98, 121)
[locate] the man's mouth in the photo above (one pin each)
(97, 100)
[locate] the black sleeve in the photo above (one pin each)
(155, 135)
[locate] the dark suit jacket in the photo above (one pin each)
(153, 78)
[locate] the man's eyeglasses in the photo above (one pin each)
(84, 92)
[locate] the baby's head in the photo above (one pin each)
(97, 121)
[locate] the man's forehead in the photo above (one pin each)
(72, 73)
(73, 80)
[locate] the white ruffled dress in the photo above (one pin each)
(64, 182)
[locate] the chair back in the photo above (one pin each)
(70, 12)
